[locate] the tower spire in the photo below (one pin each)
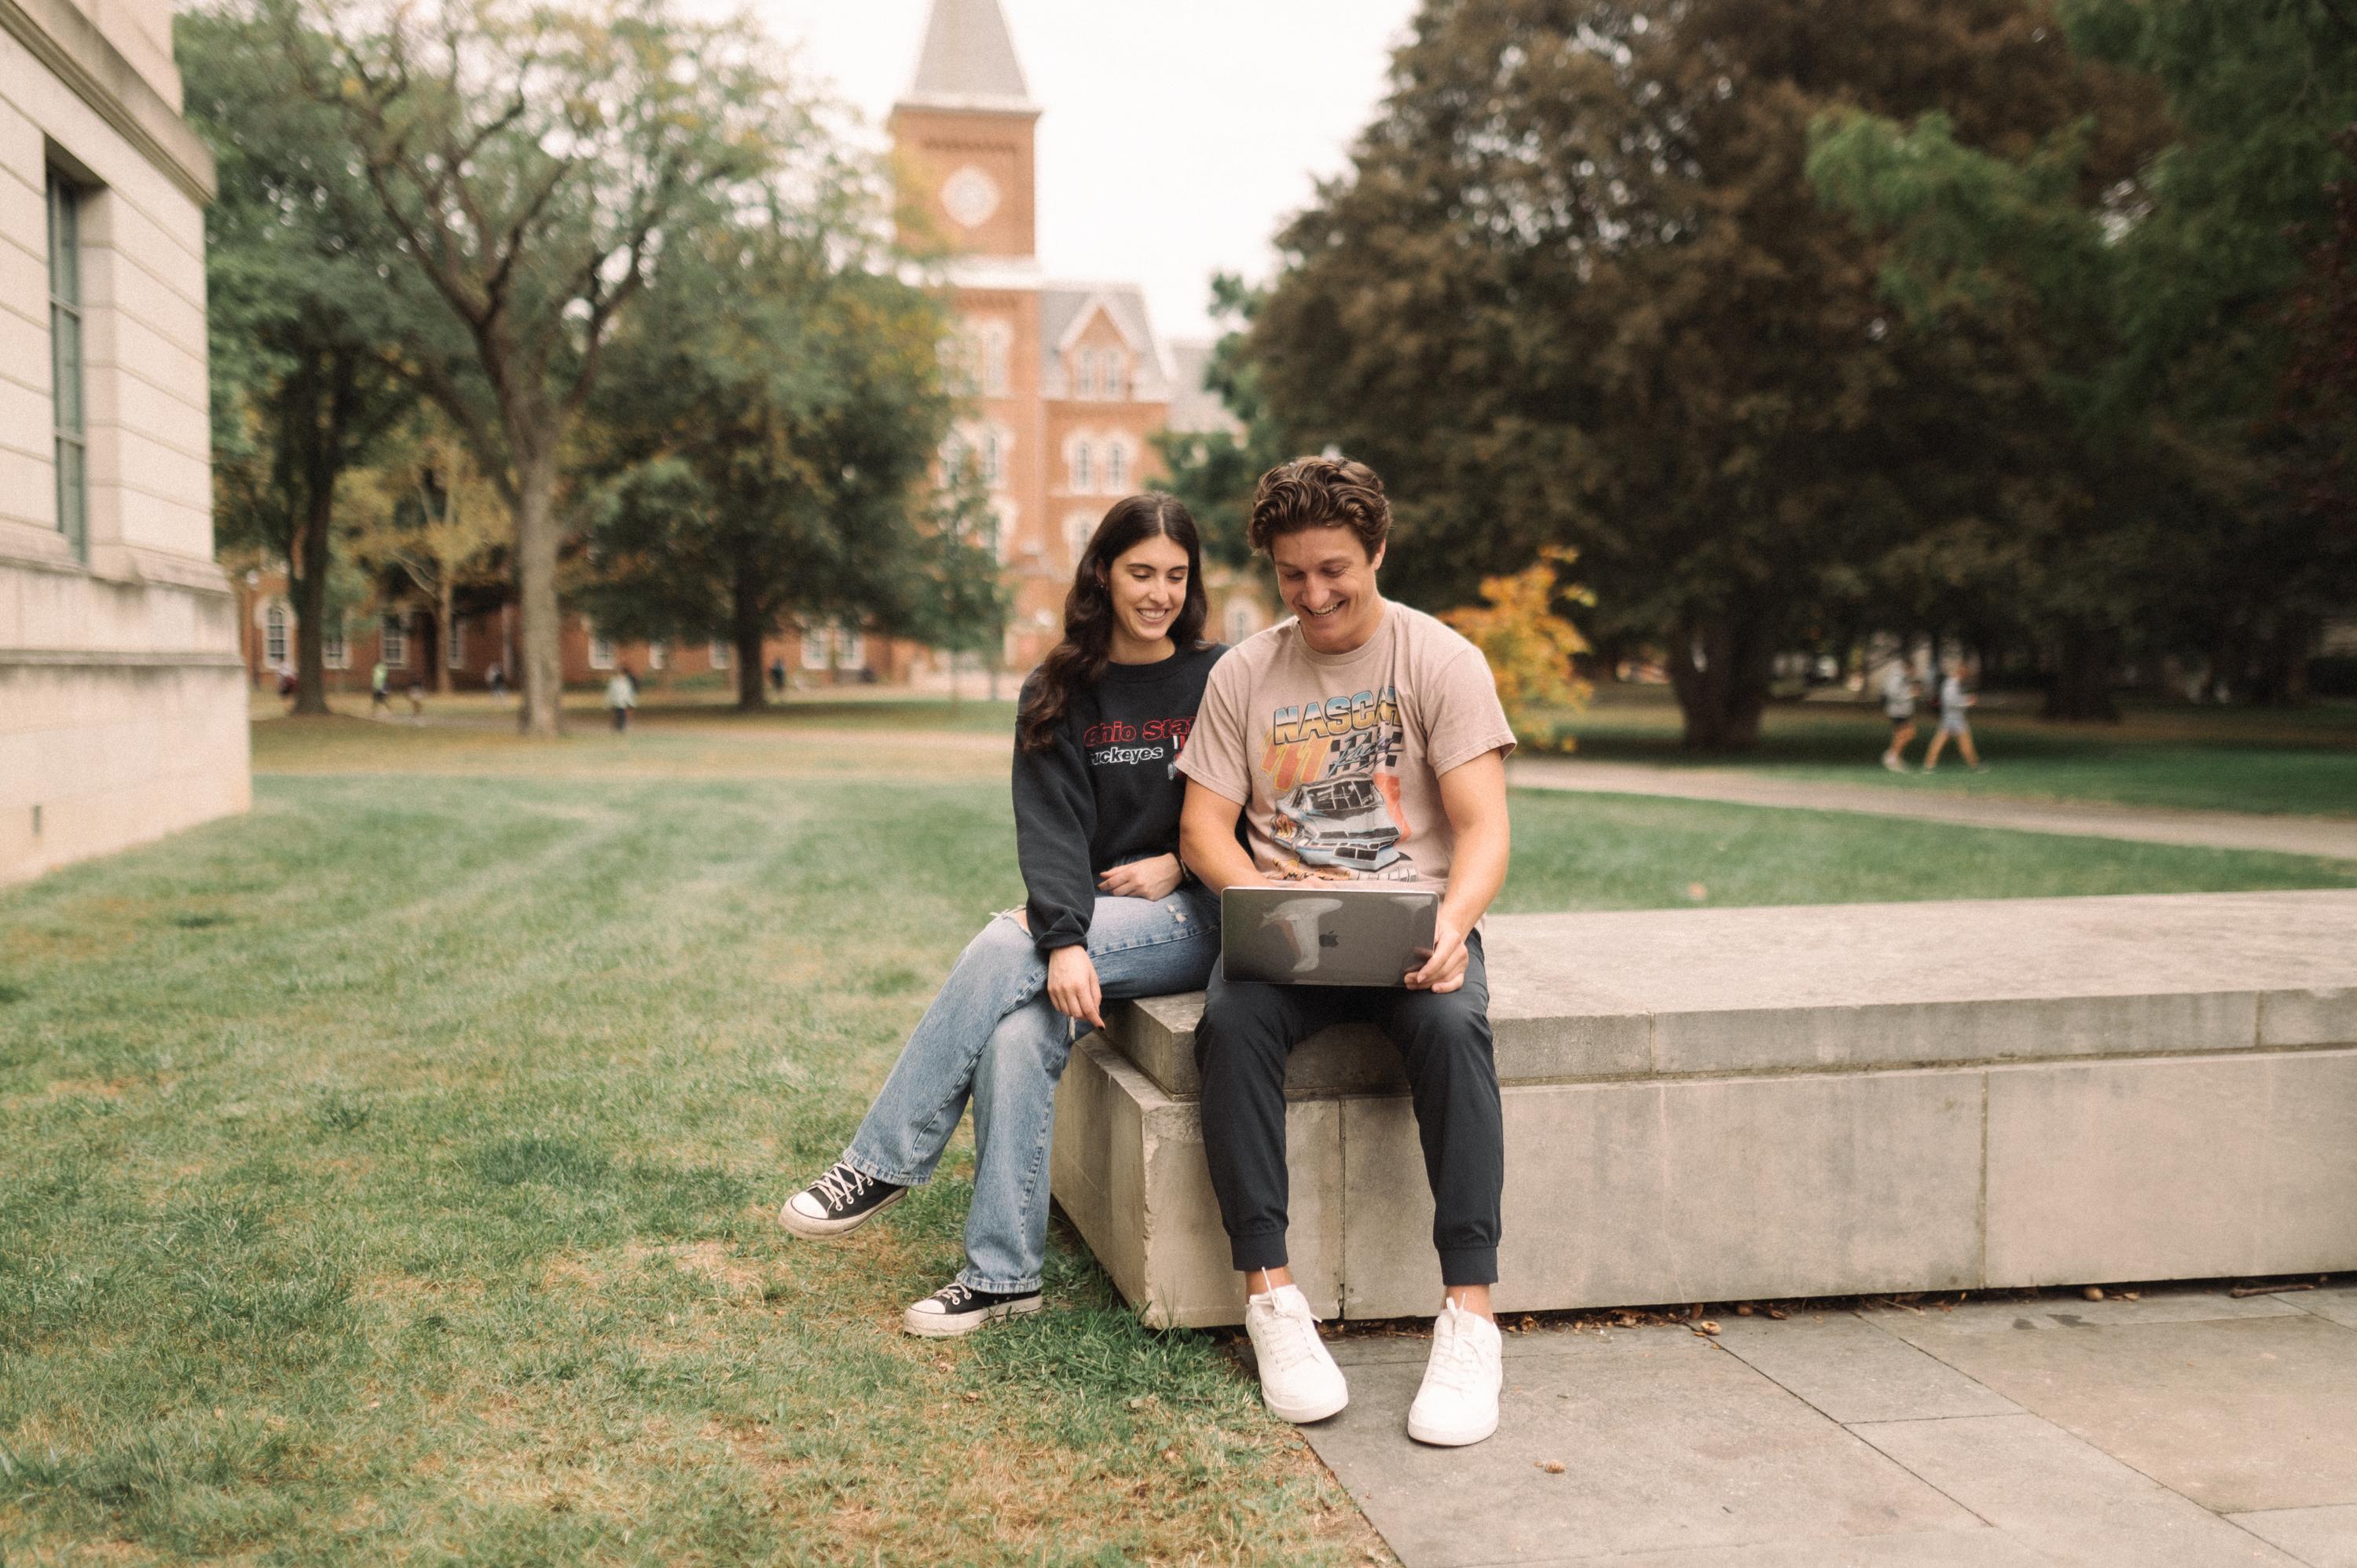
(968, 61)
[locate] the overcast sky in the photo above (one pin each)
(1177, 135)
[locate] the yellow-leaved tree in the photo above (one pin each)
(1530, 646)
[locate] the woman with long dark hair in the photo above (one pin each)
(1110, 913)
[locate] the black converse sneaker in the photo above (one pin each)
(842, 1200)
(957, 1309)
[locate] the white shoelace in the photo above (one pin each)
(842, 1186)
(1456, 1359)
(1302, 1343)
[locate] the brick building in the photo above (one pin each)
(409, 640)
(1069, 379)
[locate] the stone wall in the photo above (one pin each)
(122, 705)
(1710, 1105)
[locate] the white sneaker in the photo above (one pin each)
(1298, 1380)
(1459, 1402)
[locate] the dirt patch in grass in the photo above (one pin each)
(713, 1261)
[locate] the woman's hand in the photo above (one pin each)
(1156, 876)
(1072, 985)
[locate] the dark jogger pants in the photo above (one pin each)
(1241, 1046)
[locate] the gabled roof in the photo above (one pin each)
(968, 61)
(1065, 309)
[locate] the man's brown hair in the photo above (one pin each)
(1319, 492)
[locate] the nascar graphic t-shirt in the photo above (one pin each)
(1336, 758)
(1107, 791)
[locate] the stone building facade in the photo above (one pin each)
(123, 713)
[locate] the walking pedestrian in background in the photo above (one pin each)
(1898, 707)
(622, 696)
(1954, 700)
(380, 689)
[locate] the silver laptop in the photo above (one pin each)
(1325, 933)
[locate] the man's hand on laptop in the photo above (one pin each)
(1444, 969)
(1155, 876)
(1072, 985)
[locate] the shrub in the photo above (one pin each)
(1529, 647)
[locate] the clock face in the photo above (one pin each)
(970, 197)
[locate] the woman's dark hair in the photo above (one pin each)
(1080, 659)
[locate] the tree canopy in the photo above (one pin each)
(532, 162)
(767, 433)
(1576, 289)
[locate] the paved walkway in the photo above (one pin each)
(2188, 1429)
(2332, 838)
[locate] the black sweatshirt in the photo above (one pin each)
(1106, 789)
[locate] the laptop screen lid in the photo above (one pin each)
(1325, 933)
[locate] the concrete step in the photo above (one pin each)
(1713, 1104)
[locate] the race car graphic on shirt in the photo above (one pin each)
(1332, 768)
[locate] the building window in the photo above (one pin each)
(393, 642)
(1079, 529)
(1085, 373)
(833, 647)
(1116, 466)
(720, 654)
(993, 464)
(1242, 619)
(996, 338)
(273, 636)
(70, 448)
(1084, 478)
(1115, 374)
(335, 652)
(601, 649)
(658, 654)
(998, 528)
(454, 646)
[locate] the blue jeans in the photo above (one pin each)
(993, 1036)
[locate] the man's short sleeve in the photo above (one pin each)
(1467, 718)
(1217, 753)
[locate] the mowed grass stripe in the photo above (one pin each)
(417, 1201)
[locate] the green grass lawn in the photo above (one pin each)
(2297, 760)
(390, 1174)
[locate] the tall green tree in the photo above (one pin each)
(769, 429)
(531, 161)
(1576, 290)
(305, 381)
(2159, 319)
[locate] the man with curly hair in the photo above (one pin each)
(1359, 740)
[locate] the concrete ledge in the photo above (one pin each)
(1706, 1104)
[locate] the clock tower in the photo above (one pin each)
(964, 131)
(1061, 382)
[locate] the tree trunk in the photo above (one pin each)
(1723, 696)
(308, 579)
(542, 655)
(2081, 692)
(444, 607)
(751, 695)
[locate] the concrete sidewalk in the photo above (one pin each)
(2333, 838)
(2186, 1429)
